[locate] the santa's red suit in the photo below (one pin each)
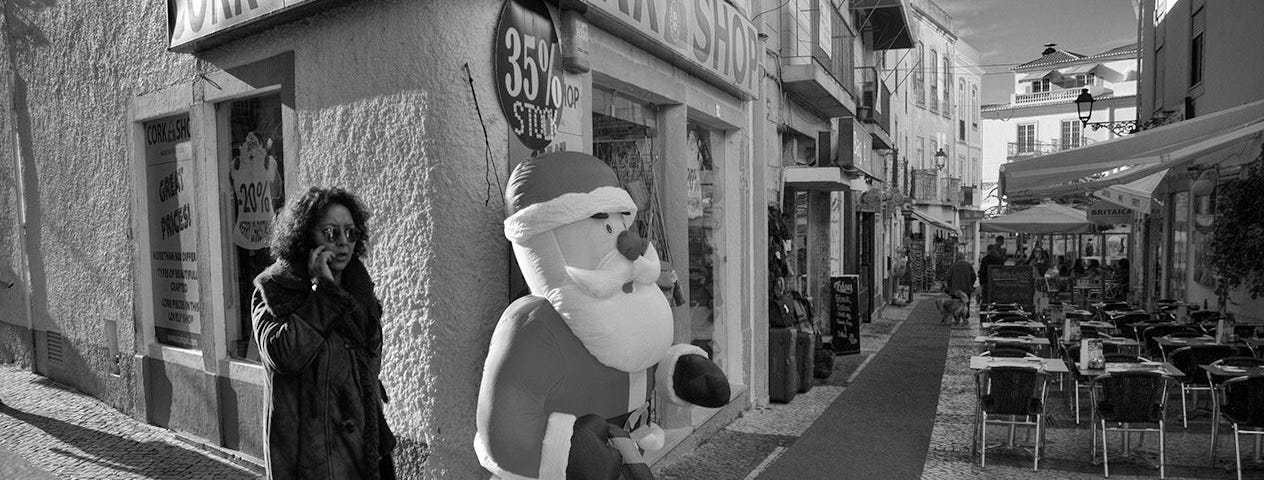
(575, 357)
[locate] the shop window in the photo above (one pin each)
(172, 205)
(704, 197)
(252, 157)
(251, 109)
(623, 136)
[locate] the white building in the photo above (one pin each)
(1041, 116)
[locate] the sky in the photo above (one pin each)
(1011, 32)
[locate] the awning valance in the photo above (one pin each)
(814, 178)
(1142, 153)
(1136, 194)
(937, 223)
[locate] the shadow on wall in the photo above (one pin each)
(153, 459)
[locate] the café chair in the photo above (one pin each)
(1006, 317)
(1187, 359)
(1149, 337)
(1243, 407)
(1013, 331)
(1116, 306)
(1217, 384)
(1013, 396)
(1130, 401)
(1004, 307)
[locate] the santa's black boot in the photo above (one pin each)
(700, 381)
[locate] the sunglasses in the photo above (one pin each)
(333, 234)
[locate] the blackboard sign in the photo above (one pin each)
(1013, 284)
(845, 314)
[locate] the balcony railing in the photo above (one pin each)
(1041, 97)
(925, 186)
(1036, 149)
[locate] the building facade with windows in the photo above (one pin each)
(1196, 66)
(1041, 118)
(140, 171)
(938, 104)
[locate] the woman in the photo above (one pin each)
(318, 326)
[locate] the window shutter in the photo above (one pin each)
(1198, 24)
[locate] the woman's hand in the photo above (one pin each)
(318, 264)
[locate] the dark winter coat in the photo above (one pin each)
(961, 278)
(321, 346)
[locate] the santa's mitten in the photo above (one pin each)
(634, 466)
(591, 456)
(692, 378)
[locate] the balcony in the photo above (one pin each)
(1019, 150)
(812, 85)
(1044, 97)
(875, 106)
(952, 190)
(925, 185)
(889, 20)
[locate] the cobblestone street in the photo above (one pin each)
(50, 431)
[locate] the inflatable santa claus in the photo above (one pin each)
(567, 382)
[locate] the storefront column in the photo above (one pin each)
(675, 196)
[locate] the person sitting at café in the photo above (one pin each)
(1040, 259)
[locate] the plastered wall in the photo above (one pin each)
(383, 108)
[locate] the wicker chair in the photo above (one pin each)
(1125, 400)
(1017, 396)
(1244, 409)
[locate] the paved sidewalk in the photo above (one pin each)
(52, 431)
(747, 446)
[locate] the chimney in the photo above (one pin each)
(1049, 48)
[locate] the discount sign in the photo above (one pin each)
(528, 69)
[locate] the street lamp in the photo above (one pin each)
(1084, 106)
(941, 159)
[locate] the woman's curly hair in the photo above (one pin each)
(292, 230)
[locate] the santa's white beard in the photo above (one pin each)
(625, 331)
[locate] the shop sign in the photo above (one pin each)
(1109, 213)
(173, 231)
(527, 67)
(710, 35)
(970, 215)
(192, 21)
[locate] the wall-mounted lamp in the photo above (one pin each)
(941, 159)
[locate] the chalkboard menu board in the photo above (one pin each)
(845, 314)
(1013, 284)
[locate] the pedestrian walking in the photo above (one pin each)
(318, 325)
(993, 257)
(961, 280)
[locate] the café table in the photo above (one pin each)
(986, 315)
(1167, 343)
(1027, 323)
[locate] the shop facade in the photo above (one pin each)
(135, 239)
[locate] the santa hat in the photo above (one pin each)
(559, 188)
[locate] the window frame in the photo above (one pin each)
(262, 77)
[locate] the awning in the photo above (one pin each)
(814, 178)
(935, 222)
(1078, 69)
(1144, 153)
(1136, 194)
(1036, 75)
(1044, 218)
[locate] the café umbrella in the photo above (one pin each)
(1047, 217)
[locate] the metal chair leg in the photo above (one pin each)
(1184, 411)
(1162, 452)
(1237, 451)
(1035, 463)
(983, 443)
(1105, 459)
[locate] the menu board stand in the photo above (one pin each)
(1013, 284)
(845, 314)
